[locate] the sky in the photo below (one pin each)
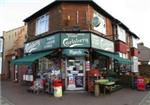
(135, 14)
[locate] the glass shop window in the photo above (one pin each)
(44, 64)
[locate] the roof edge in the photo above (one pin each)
(46, 8)
(133, 34)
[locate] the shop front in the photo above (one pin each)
(68, 56)
(75, 68)
(75, 48)
(75, 73)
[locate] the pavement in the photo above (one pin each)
(5, 101)
(16, 94)
(145, 100)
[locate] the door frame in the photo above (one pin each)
(84, 73)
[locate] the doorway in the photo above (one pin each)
(75, 73)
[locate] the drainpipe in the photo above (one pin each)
(114, 39)
(1, 52)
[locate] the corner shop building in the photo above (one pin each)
(73, 42)
(68, 56)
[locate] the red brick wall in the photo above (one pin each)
(8, 69)
(70, 18)
(64, 17)
(21, 71)
(144, 70)
(55, 19)
(90, 16)
(109, 28)
(31, 28)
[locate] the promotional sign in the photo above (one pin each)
(140, 83)
(49, 42)
(79, 81)
(75, 40)
(71, 83)
(70, 40)
(99, 22)
(74, 52)
(102, 43)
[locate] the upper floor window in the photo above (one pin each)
(99, 23)
(121, 34)
(135, 41)
(42, 24)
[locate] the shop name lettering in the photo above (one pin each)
(67, 42)
(32, 46)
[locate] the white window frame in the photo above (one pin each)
(102, 27)
(135, 41)
(42, 24)
(121, 34)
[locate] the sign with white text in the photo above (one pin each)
(75, 40)
(49, 42)
(102, 43)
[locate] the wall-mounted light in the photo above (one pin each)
(68, 18)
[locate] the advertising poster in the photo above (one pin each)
(79, 81)
(71, 83)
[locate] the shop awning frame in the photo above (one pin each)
(29, 59)
(116, 57)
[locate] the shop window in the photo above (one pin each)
(42, 24)
(100, 62)
(44, 64)
(125, 68)
(47, 65)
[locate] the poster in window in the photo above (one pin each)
(71, 83)
(79, 81)
(71, 80)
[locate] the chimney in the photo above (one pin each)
(142, 44)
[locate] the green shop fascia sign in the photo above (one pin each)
(49, 42)
(69, 40)
(102, 43)
(75, 40)
(75, 52)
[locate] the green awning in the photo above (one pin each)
(116, 57)
(29, 59)
(124, 61)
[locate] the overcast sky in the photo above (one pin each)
(135, 14)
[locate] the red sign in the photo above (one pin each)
(140, 83)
